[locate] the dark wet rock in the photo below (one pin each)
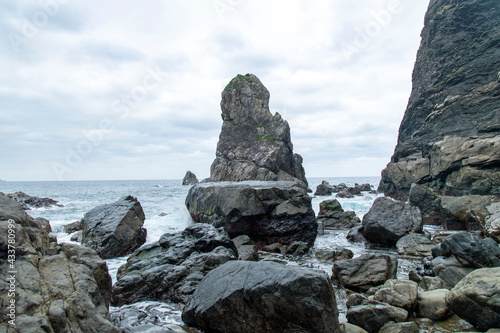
(253, 143)
(400, 293)
(415, 245)
(170, 269)
(28, 201)
(268, 212)
(44, 224)
(73, 227)
(323, 189)
(263, 297)
(449, 137)
(363, 272)
(372, 316)
(389, 220)
(327, 255)
(355, 234)
(407, 327)
(350, 328)
(190, 179)
(77, 237)
(332, 216)
(116, 229)
(59, 288)
(476, 298)
(429, 202)
(246, 248)
(432, 305)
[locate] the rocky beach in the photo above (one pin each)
(259, 247)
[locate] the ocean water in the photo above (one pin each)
(163, 204)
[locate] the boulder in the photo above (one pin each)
(449, 136)
(190, 179)
(323, 189)
(365, 271)
(391, 327)
(389, 220)
(332, 216)
(27, 201)
(253, 143)
(242, 296)
(355, 234)
(471, 213)
(400, 293)
(415, 245)
(476, 298)
(115, 230)
(432, 305)
(73, 227)
(170, 269)
(59, 288)
(374, 315)
(328, 255)
(44, 224)
(350, 328)
(246, 248)
(429, 202)
(268, 212)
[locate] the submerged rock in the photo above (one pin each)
(253, 144)
(449, 137)
(170, 269)
(27, 201)
(263, 297)
(268, 212)
(116, 229)
(389, 220)
(190, 179)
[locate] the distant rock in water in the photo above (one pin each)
(449, 139)
(116, 229)
(28, 201)
(253, 144)
(190, 179)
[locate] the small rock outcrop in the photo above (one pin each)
(114, 230)
(28, 201)
(389, 220)
(190, 179)
(268, 212)
(477, 298)
(58, 287)
(363, 272)
(415, 245)
(267, 297)
(253, 144)
(170, 269)
(332, 216)
(449, 137)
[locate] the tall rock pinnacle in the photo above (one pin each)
(449, 138)
(253, 144)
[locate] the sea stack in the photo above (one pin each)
(449, 137)
(253, 143)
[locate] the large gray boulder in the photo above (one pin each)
(59, 288)
(400, 293)
(372, 315)
(332, 216)
(243, 296)
(253, 143)
(449, 137)
(476, 298)
(431, 304)
(365, 271)
(268, 212)
(389, 220)
(115, 230)
(170, 269)
(415, 245)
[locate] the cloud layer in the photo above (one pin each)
(129, 90)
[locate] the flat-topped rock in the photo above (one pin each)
(268, 212)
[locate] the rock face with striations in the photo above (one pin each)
(253, 144)
(116, 229)
(58, 287)
(449, 137)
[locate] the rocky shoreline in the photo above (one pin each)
(241, 266)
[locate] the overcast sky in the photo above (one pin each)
(126, 89)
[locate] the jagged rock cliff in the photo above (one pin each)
(449, 137)
(253, 144)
